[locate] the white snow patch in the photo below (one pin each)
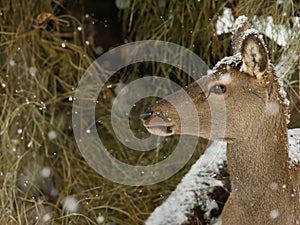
(226, 78)
(280, 33)
(239, 21)
(70, 204)
(277, 32)
(209, 71)
(228, 60)
(193, 189)
(225, 22)
(282, 92)
(286, 102)
(294, 146)
(250, 31)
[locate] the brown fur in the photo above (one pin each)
(264, 189)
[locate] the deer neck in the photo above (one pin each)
(258, 168)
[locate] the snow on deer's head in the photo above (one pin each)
(245, 82)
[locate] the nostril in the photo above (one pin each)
(169, 130)
(145, 116)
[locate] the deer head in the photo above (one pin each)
(240, 92)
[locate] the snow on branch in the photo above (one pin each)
(280, 33)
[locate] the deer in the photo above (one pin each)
(265, 188)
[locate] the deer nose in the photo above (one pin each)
(145, 116)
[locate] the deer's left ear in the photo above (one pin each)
(254, 54)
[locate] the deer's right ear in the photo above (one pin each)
(254, 54)
(240, 26)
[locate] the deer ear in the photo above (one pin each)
(254, 54)
(240, 26)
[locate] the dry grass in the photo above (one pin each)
(43, 56)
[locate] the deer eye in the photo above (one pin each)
(218, 89)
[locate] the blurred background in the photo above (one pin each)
(45, 48)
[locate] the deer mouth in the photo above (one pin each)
(157, 125)
(160, 130)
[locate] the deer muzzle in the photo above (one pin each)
(157, 123)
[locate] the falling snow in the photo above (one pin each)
(12, 63)
(122, 4)
(32, 71)
(100, 219)
(274, 214)
(47, 217)
(70, 204)
(274, 186)
(45, 172)
(52, 135)
(99, 50)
